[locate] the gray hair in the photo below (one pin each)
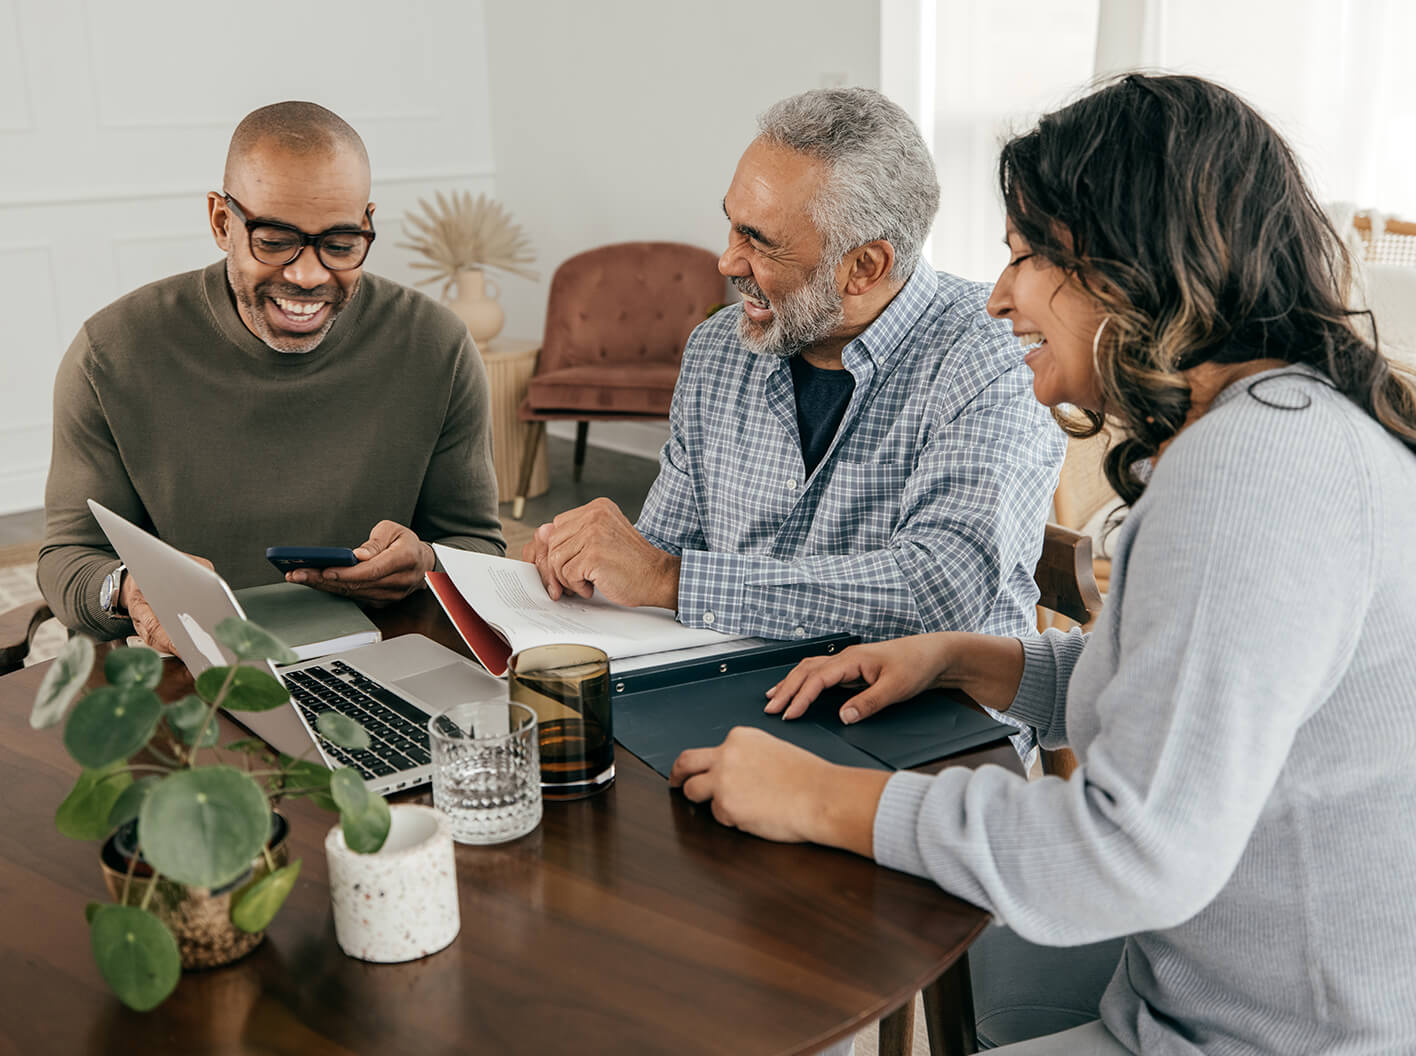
(880, 177)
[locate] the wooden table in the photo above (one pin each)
(626, 923)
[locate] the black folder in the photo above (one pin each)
(660, 711)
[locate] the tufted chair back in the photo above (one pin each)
(616, 322)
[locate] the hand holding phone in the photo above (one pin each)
(289, 558)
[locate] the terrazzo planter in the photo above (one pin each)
(399, 903)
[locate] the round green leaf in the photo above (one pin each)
(250, 745)
(363, 815)
(210, 681)
(202, 827)
(366, 831)
(257, 906)
(302, 776)
(250, 641)
(127, 806)
(186, 717)
(85, 812)
(137, 956)
(62, 682)
(347, 787)
(251, 690)
(134, 666)
(341, 730)
(111, 723)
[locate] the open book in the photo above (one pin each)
(499, 607)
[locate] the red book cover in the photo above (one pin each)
(486, 644)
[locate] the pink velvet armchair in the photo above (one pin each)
(616, 322)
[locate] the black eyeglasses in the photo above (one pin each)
(277, 245)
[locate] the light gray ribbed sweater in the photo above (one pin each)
(1245, 712)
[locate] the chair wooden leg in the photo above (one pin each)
(896, 1036)
(949, 1012)
(582, 430)
(534, 432)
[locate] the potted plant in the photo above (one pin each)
(202, 837)
(460, 238)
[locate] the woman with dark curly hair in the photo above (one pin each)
(1238, 840)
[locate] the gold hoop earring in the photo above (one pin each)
(1096, 344)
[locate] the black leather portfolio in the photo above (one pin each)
(660, 711)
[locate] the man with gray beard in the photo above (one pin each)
(856, 446)
(280, 396)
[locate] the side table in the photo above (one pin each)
(510, 362)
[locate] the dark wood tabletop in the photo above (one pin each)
(630, 922)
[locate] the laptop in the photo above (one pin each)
(390, 688)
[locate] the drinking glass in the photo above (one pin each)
(568, 686)
(486, 773)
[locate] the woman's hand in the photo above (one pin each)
(775, 790)
(894, 670)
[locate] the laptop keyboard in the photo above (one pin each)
(396, 728)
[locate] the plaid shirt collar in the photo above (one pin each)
(883, 338)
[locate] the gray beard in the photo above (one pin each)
(800, 319)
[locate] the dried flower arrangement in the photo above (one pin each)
(463, 232)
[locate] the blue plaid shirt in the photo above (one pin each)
(926, 513)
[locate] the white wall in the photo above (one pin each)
(608, 122)
(624, 119)
(114, 120)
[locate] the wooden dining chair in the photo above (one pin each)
(1066, 585)
(17, 631)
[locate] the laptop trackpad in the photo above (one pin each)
(451, 684)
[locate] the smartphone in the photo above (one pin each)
(289, 558)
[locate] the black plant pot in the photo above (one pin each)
(199, 918)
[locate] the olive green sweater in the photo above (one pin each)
(170, 412)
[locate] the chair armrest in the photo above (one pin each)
(17, 627)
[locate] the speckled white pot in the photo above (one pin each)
(399, 903)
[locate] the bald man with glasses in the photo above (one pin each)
(281, 396)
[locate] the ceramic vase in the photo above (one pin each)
(198, 917)
(476, 305)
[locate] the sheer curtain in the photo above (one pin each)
(1328, 73)
(998, 66)
(1332, 75)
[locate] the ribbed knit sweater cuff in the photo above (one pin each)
(87, 581)
(897, 843)
(1036, 700)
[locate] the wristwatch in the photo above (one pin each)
(111, 591)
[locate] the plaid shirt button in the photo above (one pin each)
(708, 617)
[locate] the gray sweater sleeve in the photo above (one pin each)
(1185, 711)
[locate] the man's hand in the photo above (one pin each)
(391, 565)
(145, 622)
(778, 791)
(594, 547)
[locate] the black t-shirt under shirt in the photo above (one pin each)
(821, 400)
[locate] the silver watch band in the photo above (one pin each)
(111, 592)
